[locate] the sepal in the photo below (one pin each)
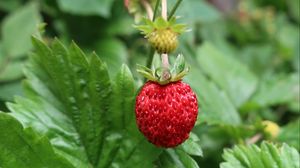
(150, 26)
(162, 75)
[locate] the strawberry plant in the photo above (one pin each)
(149, 83)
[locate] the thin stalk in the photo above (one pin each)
(165, 64)
(164, 11)
(164, 57)
(148, 8)
(174, 9)
(165, 60)
(156, 9)
(254, 139)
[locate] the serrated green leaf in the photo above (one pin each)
(75, 93)
(290, 157)
(24, 148)
(266, 156)
(71, 100)
(121, 110)
(122, 118)
(232, 76)
(278, 90)
(215, 106)
(113, 52)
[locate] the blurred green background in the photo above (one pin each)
(244, 58)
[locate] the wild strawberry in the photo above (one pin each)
(166, 114)
(166, 108)
(162, 34)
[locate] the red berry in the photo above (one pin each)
(166, 114)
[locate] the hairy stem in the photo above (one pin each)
(174, 9)
(254, 139)
(164, 57)
(148, 8)
(164, 9)
(165, 64)
(165, 60)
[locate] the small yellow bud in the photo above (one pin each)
(272, 128)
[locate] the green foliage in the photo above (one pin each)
(265, 156)
(86, 7)
(88, 118)
(77, 109)
(290, 134)
(192, 146)
(16, 47)
(113, 53)
(215, 105)
(24, 148)
(10, 5)
(233, 77)
(12, 49)
(268, 93)
(176, 158)
(9, 90)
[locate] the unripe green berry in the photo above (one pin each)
(163, 40)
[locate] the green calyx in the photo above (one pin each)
(162, 75)
(150, 26)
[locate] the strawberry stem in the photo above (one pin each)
(165, 60)
(164, 9)
(166, 75)
(174, 9)
(156, 9)
(148, 8)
